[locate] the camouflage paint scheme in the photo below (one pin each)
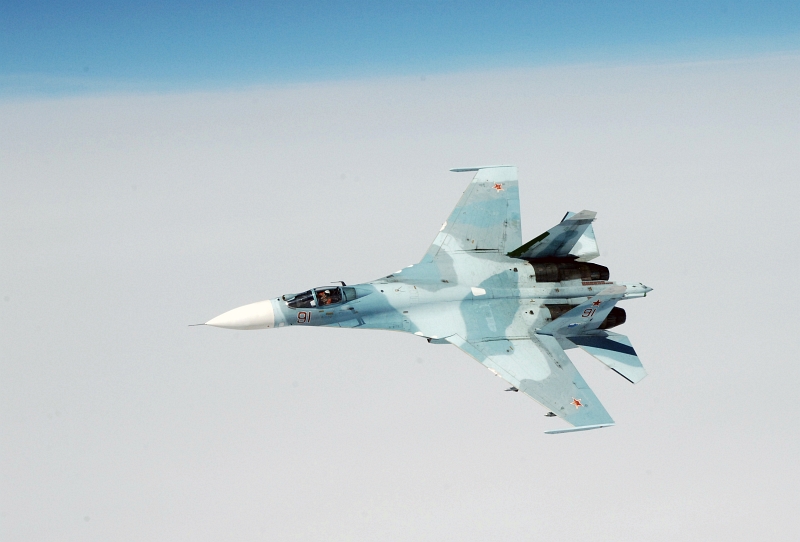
(476, 288)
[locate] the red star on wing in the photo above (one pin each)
(498, 186)
(577, 403)
(596, 303)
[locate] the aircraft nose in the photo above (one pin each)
(259, 315)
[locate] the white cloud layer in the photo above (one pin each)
(124, 218)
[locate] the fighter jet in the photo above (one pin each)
(513, 307)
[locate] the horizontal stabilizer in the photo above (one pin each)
(615, 351)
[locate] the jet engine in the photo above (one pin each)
(615, 318)
(558, 271)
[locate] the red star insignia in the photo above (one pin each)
(596, 303)
(577, 403)
(498, 186)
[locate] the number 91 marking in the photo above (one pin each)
(303, 317)
(588, 312)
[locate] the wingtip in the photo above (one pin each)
(476, 168)
(579, 428)
(586, 214)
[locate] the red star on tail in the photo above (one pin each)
(577, 403)
(596, 303)
(498, 186)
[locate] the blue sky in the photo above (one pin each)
(56, 47)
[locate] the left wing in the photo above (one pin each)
(538, 367)
(486, 218)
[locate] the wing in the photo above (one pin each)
(497, 334)
(538, 367)
(573, 237)
(486, 218)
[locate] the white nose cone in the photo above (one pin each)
(259, 315)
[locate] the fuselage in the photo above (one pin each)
(428, 299)
(513, 307)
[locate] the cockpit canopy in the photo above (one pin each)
(320, 297)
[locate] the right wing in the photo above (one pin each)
(538, 367)
(486, 218)
(573, 237)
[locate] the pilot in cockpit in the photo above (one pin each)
(319, 297)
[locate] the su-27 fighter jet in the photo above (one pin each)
(514, 307)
